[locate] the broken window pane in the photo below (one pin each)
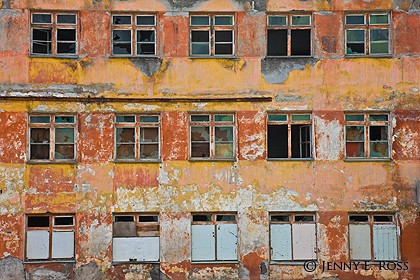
(41, 41)
(64, 119)
(301, 42)
(149, 139)
(40, 143)
(200, 142)
(223, 20)
(301, 20)
(125, 143)
(66, 19)
(145, 42)
(355, 42)
(200, 20)
(277, 141)
(379, 19)
(38, 221)
(277, 42)
(63, 221)
(355, 136)
(145, 20)
(64, 143)
(223, 142)
(41, 18)
(121, 20)
(121, 41)
(202, 218)
(378, 136)
(355, 19)
(277, 20)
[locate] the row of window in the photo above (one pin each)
(211, 137)
(210, 35)
(214, 237)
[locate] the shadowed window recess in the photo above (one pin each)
(133, 35)
(367, 135)
(368, 34)
(289, 35)
(54, 34)
(292, 237)
(212, 35)
(135, 237)
(52, 138)
(137, 137)
(214, 237)
(212, 136)
(50, 237)
(289, 136)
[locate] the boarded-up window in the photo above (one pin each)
(373, 237)
(49, 237)
(136, 238)
(214, 237)
(293, 237)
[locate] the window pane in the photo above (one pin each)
(223, 49)
(125, 151)
(277, 21)
(149, 119)
(64, 135)
(200, 36)
(355, 35)
(355, 19)
(378, 133)
(63, 48)
(359, 218)
(277, 42)
(40, 151)
(200, 133)
(121, 20)
(145, 20)
(277, 141)
(200, 49)
(40, 135)
(301, 20)
(64, 119)
(378, 19)
(121, 41)
(301, 42)
(379, 48)
(304, 218)
(354, 118)
(39, 119)
(146, 36)
(200, 118)
(69, 19)
(199, 150)
(223, 118)
(121, 48)
(378, 118)
(201, 217)
(124, 218)
(223, 150)
(355, 149)
(149, 134)
(41, 18)
(65, 151)
(149, 151)
(66, 34)
(383, 219)
(301, 117)
(41, 34)
(278, 118)
(125, 119)
(41, 47)
(121, 35)
(224, 36)
(63, 221)
(223, 20)
(148, 219)
(355, 48)
(125, 135)
(378, 149)
(39, 221)
(280, 218)
(226, 218)
(355, 133)
(379, 35)
(223, 134)
(200, 20)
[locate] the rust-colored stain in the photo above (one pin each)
(95, 186)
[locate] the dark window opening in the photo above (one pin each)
(387, 219)
(124, 218)
(277, 42)
(280, 218)
(226, 218)
(148, 219)
(301, 143)
(357, 218)
(277, 141)
(202, 218)
(301, 42)
(41, 221)
(63, 221)
(304, 218)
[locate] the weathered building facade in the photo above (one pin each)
(209, 139)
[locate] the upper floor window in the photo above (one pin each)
(212, 136)
(373, 237)
(214, 237)
(289, 35)
(54, 34)
(135, 238)
(52, 137)
(368, 34)
(289, 136)
(50, 237)
(212, 35)
(133, 35)
(137, 137)
(367, 135)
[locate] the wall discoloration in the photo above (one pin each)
(276, 71)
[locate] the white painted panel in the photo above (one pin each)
(385, 242)
(135, 249)
(360, 245)
(63, 244)
(37, 244)
(281, 242)
(304, 241)
(203, 243)
(227, 242)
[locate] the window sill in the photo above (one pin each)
(53, 56)
(213, 262)
(367, 160)
(48, 261)
(300, 263)
(290, 159)
(51, 162)
(138, 161)
(135, 262)
(210, 160)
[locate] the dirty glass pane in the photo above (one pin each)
(39, 221)
(64, 143)
(200, 150)
(125, 119)
(301, 20)
(63, 221)
(223, 118)
(223, 20)
(149, 134)
(149, 139)
(277, 20)
(355, 35)
(223, 150)
(145, 48)
(359, 218)
(125, 151)
(149, 119)
(379, 35)
(69, 48)
(41, 18)
(355, 19)
(226, 218)
(355, 149)
(125, 135)
(301, 117)
(149, 151)
(200, 36)
(148, 219)
(200, 133)
(301, 42)
(355, 118)
(355, 42)
(41, 47)
(121, 20)
(39, 119)
(355, 133)
(223, 49)
(124, 218)
(200, 42)
(64, 151)
(64, 135)
(379, 149)
(304, 218)
(383, 218)
(280, 218)
(378, 118)
(277, 42)
(379, 48)
(200, 20)
(41, 34)
(64, 119)
(145, 20)
(378, 19)
(66, 19)
(277, 118)
(121, 35)
(201, 217)
(223, 134)
(200, 118)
